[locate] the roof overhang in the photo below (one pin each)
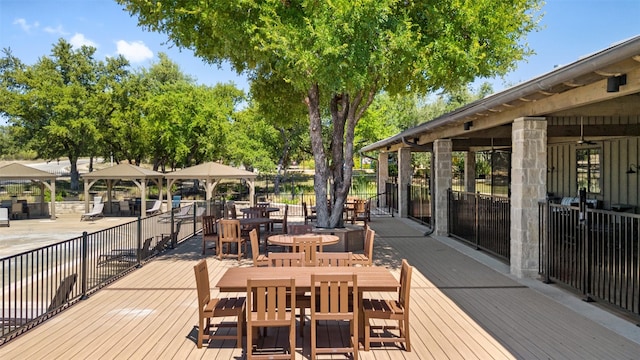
(578, 85)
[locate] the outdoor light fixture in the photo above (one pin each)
(468, 125)
(614, 82)
(631, 169)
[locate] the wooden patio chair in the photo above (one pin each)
(282, 222)
(209, 232)
(359, 211)
(209, 308)
(333, 259)
(228, 235)
(332, 299)
(309, 245)
(308, 216)
(390, 310)
(366, 258)
(269, 305)
(258, 259)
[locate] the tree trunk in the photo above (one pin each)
(322, 173)
(75, 176)
(338, 169)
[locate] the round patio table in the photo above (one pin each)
(287, 240)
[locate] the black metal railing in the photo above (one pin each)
(481, 220)
(420, 201)
(37, 284)
(593, 251)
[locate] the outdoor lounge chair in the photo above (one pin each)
(155, 208)
(60, 298)
(181, 212)
(4, 217)
(96, 212)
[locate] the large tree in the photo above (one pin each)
(336, 56)
(57, 103)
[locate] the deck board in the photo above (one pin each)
(460, 309)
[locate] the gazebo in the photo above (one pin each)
(16, 171)
(119, 172)
(210, 174)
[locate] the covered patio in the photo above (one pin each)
(464, 305)
(16, 171)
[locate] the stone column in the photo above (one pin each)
(442, 182)
(404, 179)
(470, 171)
(383, 177)
(528, 187)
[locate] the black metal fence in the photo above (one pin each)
(481, 220)
(37, 284)
(593, 251)
(420, 201)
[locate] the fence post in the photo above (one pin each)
(476, 220)
(85, 244)
(139, 238)
(586, 237)
(546, 231)
(173, 238)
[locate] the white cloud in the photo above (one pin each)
(78, 40)
(57, 30)
(135, 51)
(24, 25)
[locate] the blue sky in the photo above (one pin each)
(570, 30)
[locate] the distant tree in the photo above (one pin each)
(57, 102)
(336, 56)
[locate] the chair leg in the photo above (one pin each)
(367, 334)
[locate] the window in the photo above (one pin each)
(588, 169)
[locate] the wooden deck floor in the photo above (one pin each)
(461, 309)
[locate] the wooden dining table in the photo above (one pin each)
(286, 240)
(370, 278)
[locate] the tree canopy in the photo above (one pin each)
(336, 56)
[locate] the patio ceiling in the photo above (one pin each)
(576, 91)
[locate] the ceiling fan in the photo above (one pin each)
(582, 141)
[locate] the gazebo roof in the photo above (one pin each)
(123, 171)
(211, 170)
(16, 171)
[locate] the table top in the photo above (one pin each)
(370, 278)
(287, 240)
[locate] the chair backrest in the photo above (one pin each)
(309, 245)
(405, 284)
(202, 284)
(360, 206)
(335, 294)
(253, 213)
(209, 225)
(97, 199)
(333, 259)
(286, 259)
(255, 245)
(16, 207)
(270, 300)
(145, 252)
(229, 229)
(175, 201)
(230, 210)
(62, 293)
(124, 205)
(370, 234)
(97, 208)
(4, 214)
(298, 229)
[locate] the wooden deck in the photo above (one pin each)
(461, 309)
